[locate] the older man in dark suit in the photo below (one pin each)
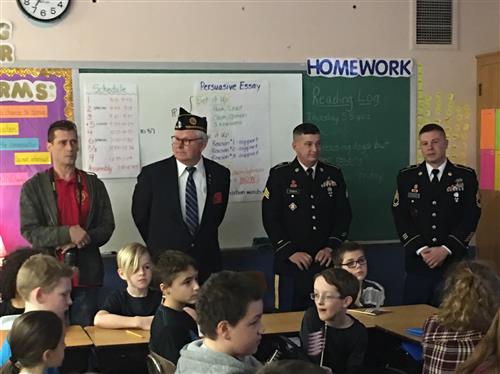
(180, 202)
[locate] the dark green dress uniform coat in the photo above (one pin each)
(428, 214)
(304, 215)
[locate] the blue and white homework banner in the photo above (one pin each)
(359, 67)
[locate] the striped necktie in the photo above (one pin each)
(191, 202)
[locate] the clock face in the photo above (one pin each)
(44, 10)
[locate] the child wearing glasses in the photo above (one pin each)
(331, 337)
(350, 256)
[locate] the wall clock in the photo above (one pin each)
(44, 10)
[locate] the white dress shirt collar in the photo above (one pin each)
(200, 167)
(440, 168)
(305, 167)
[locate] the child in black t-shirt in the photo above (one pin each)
(330, 336)
(174, 325)
(135, 306)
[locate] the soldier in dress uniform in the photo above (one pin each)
(436, 210)
(306, 213)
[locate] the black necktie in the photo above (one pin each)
(191, 202)
(310, 173)
(435, 179)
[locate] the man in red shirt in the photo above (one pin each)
(69, 211)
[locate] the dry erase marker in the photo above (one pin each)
(134, 333)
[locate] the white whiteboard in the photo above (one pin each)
(160, 95)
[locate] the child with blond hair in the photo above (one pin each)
(135, 306)
(44, 284)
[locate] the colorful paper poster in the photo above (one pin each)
(487, 139)
(32, 158)
(497, 170)
(111, 130)
(19, 144)
(238, 113)
(30, 100)
(497, 128)
(9, 128)
(487, 168)
(13, 179)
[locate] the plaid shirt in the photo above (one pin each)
(444, 349)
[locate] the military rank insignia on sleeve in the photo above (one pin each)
(267, 194)
(395, 201)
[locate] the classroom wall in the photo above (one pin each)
(261, 31)
(240, 31)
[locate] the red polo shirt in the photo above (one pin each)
(69, 210)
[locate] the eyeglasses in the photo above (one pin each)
(325, 297)
(352, 264)
(177, 141)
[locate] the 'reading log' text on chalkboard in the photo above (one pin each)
(365, 130)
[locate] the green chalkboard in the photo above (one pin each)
(365, 130)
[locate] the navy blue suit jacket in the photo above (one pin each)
(157, 213)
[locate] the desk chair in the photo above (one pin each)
(159, 365)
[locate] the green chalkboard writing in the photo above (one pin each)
(365, 130)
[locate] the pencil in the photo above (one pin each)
(134, 333)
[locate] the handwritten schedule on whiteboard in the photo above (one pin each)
(238, 125)
(111, 138)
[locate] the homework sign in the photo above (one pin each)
(359, 67)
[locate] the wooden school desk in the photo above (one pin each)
(396, 321)
(3, 335)
(76, 355)
(112, 337)
(282, 323)
(119, 351)
(75, 337)
(400, 319)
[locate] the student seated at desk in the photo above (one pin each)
(486, 356)
(471, 299)
(330, 336)
(37, 343)
(11, 302)
(172, 327)
(229, 308)
(350, 256)
(44, 284)
(135, 306)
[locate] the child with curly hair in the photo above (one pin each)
(471, 299)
